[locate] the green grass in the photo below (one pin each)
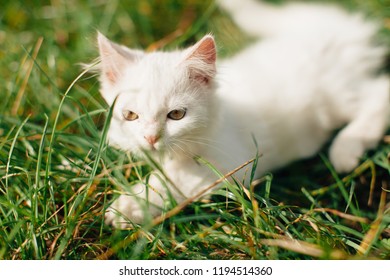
(57, 176)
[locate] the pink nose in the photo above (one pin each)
(152, 139)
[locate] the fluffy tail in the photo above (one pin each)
(259, 18)
(254, 17)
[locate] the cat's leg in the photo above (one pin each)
(365, 130)
(126, 209)
(352, 141)
(143, 201)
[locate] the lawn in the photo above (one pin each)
(57, 175)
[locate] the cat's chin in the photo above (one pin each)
(154, 152)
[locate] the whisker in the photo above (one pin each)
(204, 142)
(184, 151)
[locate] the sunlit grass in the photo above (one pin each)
(57, 175)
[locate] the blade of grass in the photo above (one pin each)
(35, 187)
(80, 200)
(305, 248)
(375, 228)
(173, 212)
(13, 144)
(22, 88)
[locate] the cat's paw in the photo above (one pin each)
(345, 153)
(124, 212)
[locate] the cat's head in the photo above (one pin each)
(164, 100)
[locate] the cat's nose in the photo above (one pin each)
(152, 139)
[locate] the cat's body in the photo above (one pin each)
(288, 93)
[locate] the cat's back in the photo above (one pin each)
(310, 72)
(294, 19)
(301, 47)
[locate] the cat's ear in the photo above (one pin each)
(200, 60)
(114, 58)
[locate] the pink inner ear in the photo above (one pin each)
(112, 60)
(202, 60)
(206, 50)
(110, 75)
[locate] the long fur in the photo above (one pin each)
(314, 71)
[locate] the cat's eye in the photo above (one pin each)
(129, 115)
(177, 114)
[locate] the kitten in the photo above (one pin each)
(313, 72)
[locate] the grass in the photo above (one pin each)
(57, 175)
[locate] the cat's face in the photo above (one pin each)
(163, 99)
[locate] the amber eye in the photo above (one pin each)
(129, 115)
(177, 114)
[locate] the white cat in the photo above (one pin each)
(313, 71)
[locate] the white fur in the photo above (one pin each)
(312, 73)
